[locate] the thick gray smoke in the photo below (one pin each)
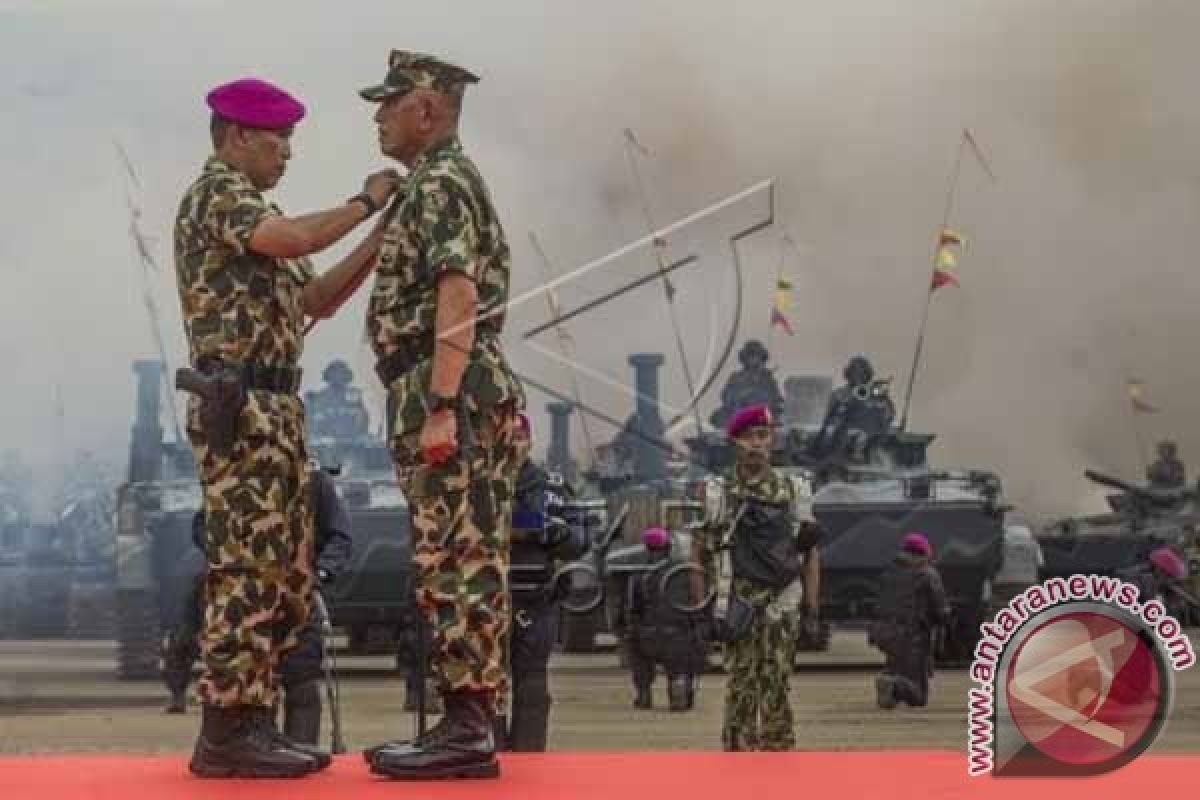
(1077, 273)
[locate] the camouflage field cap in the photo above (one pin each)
(408, 71)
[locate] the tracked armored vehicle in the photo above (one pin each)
(872, 485)
(1139, 520)
(156, 505)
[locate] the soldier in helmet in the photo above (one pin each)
(337, 410)
(912, 604)
(1168, 471)
(660, 630)
(753, 384)
(858, 411)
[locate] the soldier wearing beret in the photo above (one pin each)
(912, 604)
(434, 320)
(245, 286)
(759, 532)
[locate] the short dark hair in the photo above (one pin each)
(218, 126)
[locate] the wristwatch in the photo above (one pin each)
(439, 402)
(367, 201)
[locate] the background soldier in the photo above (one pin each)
(767, 537)
(535, 554)
(858, 411)
(912, 605)
(753, 384)
(661, 633)
(300, 672)
(434, 320)
(337, 410)
(245, 287)
(1168, 471)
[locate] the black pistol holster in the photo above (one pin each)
(222, 396)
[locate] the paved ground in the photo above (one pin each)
(62, 696)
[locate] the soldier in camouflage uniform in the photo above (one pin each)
(434, 319)
(245, 286)
(756, 503)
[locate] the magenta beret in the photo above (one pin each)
(1169, 562)
(256, 104)
(656, 538)
(748, 417)
(917, 544)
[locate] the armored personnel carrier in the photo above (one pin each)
(155, 507)
(872, 485)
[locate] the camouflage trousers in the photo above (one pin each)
(258, 542)
(461, 513)
(758, 712)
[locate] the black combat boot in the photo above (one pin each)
(234, 743)
(434, 731)
(731, 741)
(178, 703)
(463, 747)
(322, 758)
(644, 698)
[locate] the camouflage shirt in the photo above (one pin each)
(445, 223)
(774, 488)
(238, 305)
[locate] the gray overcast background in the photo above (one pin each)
(1080, 268)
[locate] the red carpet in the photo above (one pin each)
(600, 776)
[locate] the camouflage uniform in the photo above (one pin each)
(460, 508)
(243, 308)
(758, 712)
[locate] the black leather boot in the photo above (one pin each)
(644, 698)
(464, 747)
(234, 743)
(435, 730)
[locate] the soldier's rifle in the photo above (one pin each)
(329, 665)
